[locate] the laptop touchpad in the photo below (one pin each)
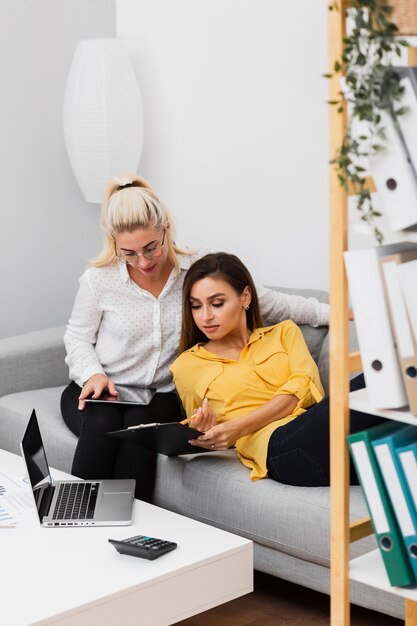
(118, 502)
(117, 499)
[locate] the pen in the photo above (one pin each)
(188, 420)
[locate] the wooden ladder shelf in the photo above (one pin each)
(341, 362)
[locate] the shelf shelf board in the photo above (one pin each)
(358, 400)
(369, 569)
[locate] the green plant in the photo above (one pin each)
(372, 86)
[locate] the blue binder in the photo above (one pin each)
(407, 457)
(387, 532)
(395, 481)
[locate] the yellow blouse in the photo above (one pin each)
(275, 361)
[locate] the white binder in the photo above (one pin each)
(405, 340)
(395, 179)
(376, 342)
(408, 121)
(408, 278)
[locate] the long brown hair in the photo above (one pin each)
(227, 267)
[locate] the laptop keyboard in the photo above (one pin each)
(76, 501)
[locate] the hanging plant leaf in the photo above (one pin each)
(372, 85)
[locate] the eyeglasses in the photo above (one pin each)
(132, 258)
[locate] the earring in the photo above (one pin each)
(247, 307)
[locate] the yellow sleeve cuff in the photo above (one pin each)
(304, 392)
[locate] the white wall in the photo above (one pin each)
(235, 139)
(236, 126)
(47, 230)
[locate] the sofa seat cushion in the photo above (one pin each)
(15, 410)
(215, 488)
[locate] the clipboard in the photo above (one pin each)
(170, 438)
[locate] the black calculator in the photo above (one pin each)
(143, 546)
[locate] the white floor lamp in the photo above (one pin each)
(103, 115)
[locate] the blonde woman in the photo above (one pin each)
(124, 330)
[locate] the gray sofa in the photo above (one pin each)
(288, 525)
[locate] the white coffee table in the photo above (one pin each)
(74, 577)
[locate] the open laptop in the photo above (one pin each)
(70, 502)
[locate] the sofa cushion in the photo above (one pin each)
(33, 361)
(293, 520)
(15, 410)
(315, 339)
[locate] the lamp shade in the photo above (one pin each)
(103, 115)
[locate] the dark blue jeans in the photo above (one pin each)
(298, 452)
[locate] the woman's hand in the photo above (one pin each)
(94, 387)
(204, 417)
(222, 436)
(219, 437)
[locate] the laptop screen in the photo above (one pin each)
(35, 459)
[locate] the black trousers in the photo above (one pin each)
(100, 456)
(298, 452)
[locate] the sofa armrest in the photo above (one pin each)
(33, 361)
